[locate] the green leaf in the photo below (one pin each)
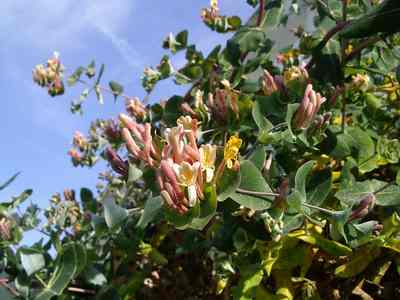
(116, 88)
(113, 214)
(208, 207)
(134, 173)
(250, 279)
(358, 262)
(262, 122)
(177, 43)
(69, 262)
(291, 110)
(32, 260)
(151, 209)
(252, 180)
(319, 186)
(352, 195)
(88, 200)
(95, 277)
(258, 157)
(385, 18)
(301, 178)
(75, 76)
(9, 181)
(227, 184)
(91, 69)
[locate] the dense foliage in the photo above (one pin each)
(276, 176)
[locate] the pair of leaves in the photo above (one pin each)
(70, 262)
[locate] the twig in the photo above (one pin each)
(9, 288)
(80, 290)
(261, 12)
(327, 211)
(339, 26)
(254, 193)
(362, 46)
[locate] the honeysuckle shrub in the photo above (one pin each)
(276, 176)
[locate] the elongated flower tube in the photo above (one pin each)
(308, 108)
(187, 176)
(208, 154)
(268, 83)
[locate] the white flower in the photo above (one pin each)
(208, 155)
(187, 176)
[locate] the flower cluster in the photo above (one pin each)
(64, 213)
(136, 108)
(50, 76)
(308, 108)
(210, 15)
(182, 167)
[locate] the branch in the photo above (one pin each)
(81, 290)
(261, 12)
(361, 47)
(254, 193)
(339, 26)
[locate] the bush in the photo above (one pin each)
(273, 177)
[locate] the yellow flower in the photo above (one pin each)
(349, 49)
(208, 153)
(231, 151)
(187, 176)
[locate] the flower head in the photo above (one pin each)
(231, 151)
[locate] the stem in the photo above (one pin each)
(40, 280)
(254, 193)
(80, 290)
(339, 26)
(261, 12)
(327, 211)
(383, 188)
(9, 288)
(362, 46)
(343, 113)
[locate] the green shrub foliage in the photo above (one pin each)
(274, 177)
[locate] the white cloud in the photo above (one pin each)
(46, 25)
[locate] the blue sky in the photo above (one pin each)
(125, 35)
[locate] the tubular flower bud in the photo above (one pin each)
(208, 154)
(116, 162)
(308, 108)
(363, 208)
(231, 151)
(5, 229)
(75, 156)
(185, 108)
(268, 83)
(136, 108)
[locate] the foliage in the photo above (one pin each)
(276, 176)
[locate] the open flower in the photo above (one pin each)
(231, 151)
(208, 154)
(187, 176)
